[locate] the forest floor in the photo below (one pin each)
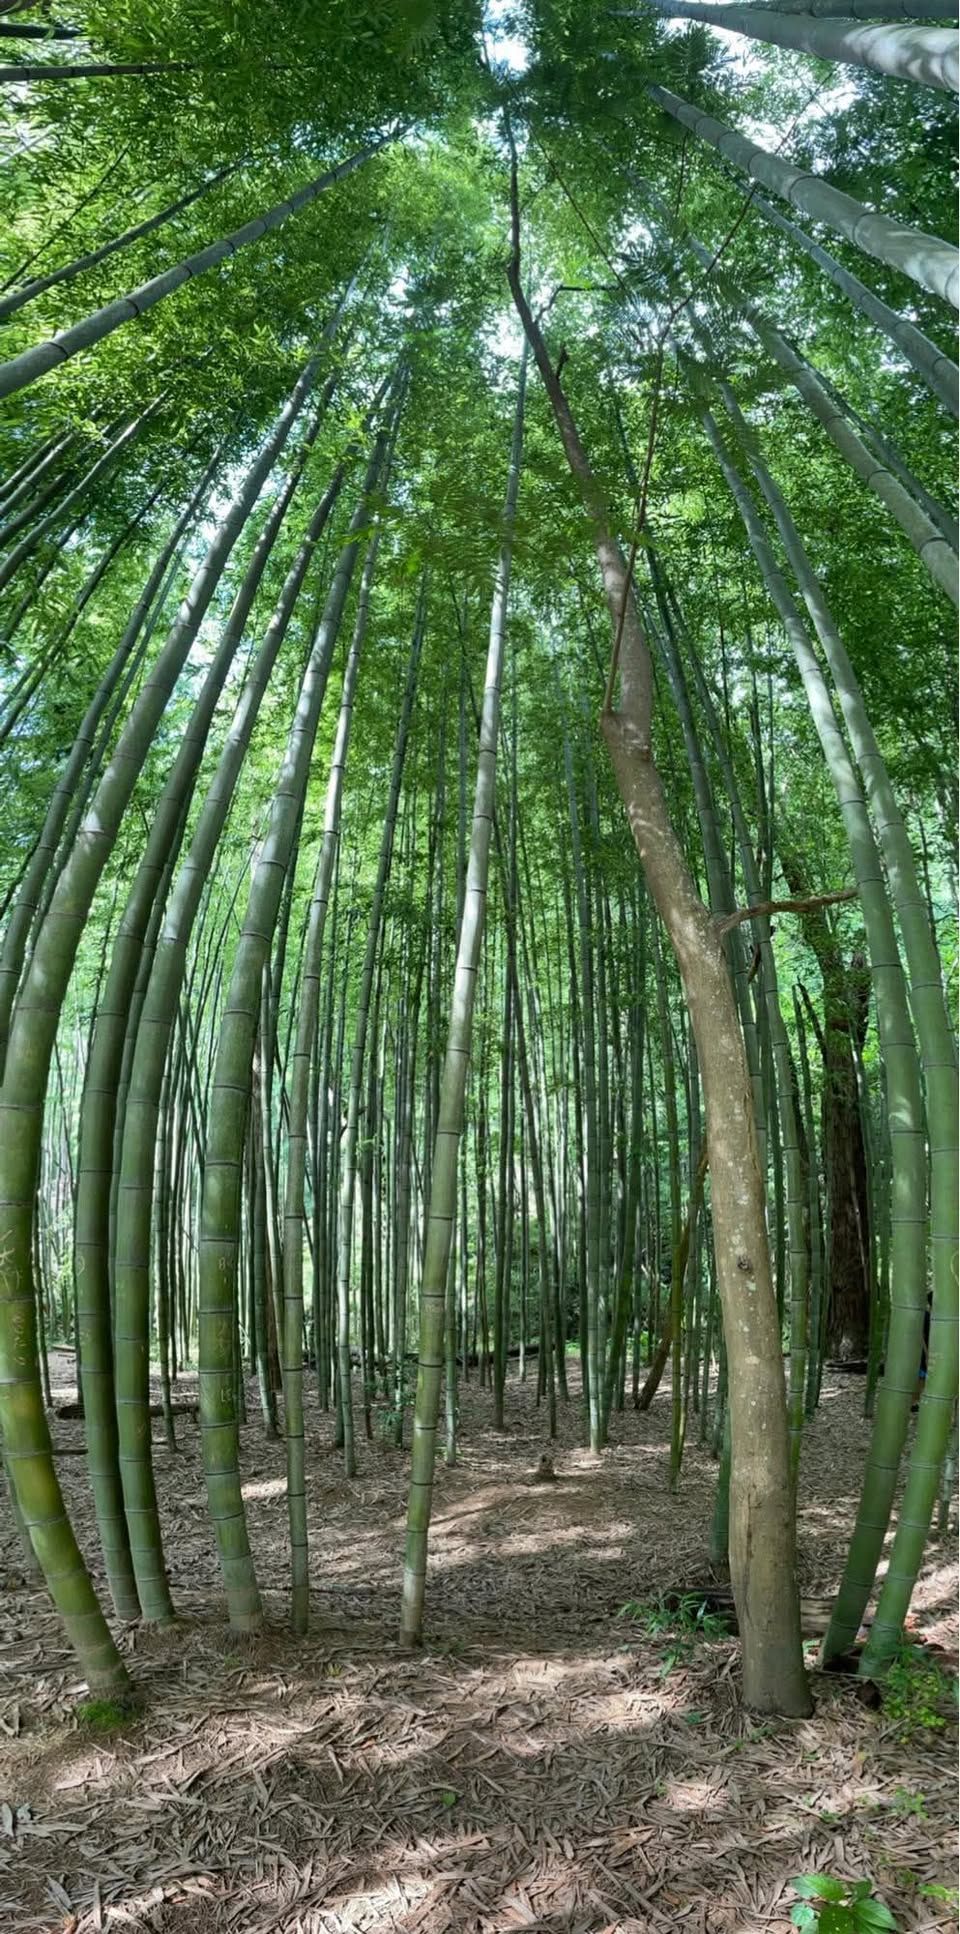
(544, 1763)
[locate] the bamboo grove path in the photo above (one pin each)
(536, 1766)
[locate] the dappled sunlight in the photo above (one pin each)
(274, 1487)
(465, 556)
(544, 1762)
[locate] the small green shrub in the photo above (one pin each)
(916, 1692)
(831, 1906)
(684, 1625)
(906, 1801)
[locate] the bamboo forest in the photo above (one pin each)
(478, 966)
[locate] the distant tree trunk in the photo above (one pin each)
(449, 1124)
(846, 993)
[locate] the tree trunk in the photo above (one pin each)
(762, 1551)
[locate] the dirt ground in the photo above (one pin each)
(541, 1764)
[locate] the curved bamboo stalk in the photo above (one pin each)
(230, 1096)
(24, 369)
(936, 369)
(927, 55)
(37, 30)
(29, 1050)
(927, 540)
(101, 1113)
(934, 264)
(28, 900)
(938, 1060)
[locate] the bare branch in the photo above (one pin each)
(765, 907)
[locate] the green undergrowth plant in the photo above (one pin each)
(932, 1890)
(684, 1624)
(917, 1693)
(106, 1715)
(831, 1906)
(906, 1801)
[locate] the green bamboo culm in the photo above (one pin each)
(938, 371)
(901, 494)
(934, 1425)
(443, 1182)
(923, 55)
(29, 1051)
(43, 858)
(594, 1334)
(938, 1061)
(164, 964)
(19, 371)
(817, 1302)
(348, 1159)
(900, 1062)
(933, 263)
(300, 1071)
(623, 1301)
(114, 1029)
(230, 1097)
(95, 1345)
